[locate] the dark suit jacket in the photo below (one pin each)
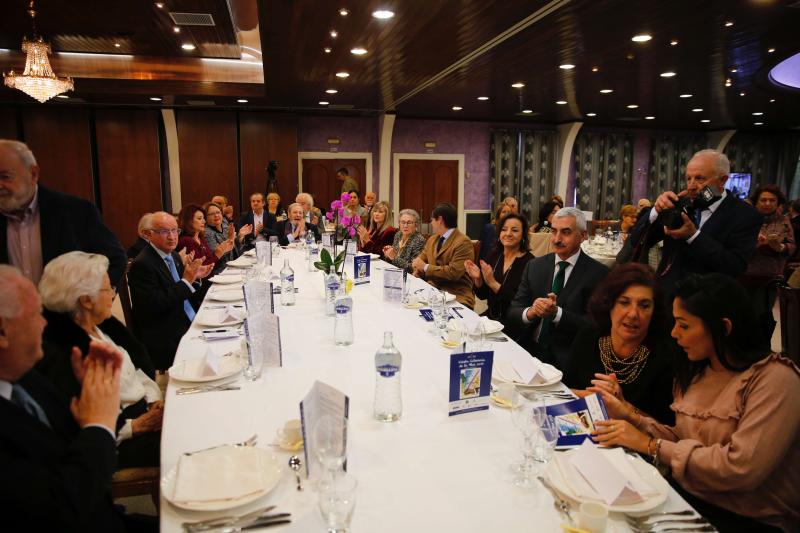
(54, 479)
(69, 223)
(136, 247)
(284, 228)
(725, 244)
(537, 282)
(158, 315)
(267, 231)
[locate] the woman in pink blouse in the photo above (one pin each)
(735, 448)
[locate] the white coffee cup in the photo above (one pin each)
(507, 392)
(291, 432)
(592, 517)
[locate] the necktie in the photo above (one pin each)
(439, 244)
(697, 216)
(24, 400)
(187, 307)
(556, 287)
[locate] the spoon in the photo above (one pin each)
(295, 463)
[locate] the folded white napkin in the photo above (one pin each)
(604, 475)
(523, 369)
(219, 474)
(211, 363)
(230, 315)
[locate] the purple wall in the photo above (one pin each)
(451, 137)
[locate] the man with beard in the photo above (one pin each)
(38, 224)
(550, 304)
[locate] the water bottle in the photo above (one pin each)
(312, 251)
(388, 404)
(333, 287)
(343, 324)
(287, 284)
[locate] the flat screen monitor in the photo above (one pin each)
(739, 184)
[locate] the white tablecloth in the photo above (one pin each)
(427, 472)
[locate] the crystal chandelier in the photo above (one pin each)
(38, 80)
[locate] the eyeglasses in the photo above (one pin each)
(113, 290)
(165, 232)
(407, 222)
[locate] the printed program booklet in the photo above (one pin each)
(575, 419)
(470, 380)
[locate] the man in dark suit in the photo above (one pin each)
(38, 224)
(294, 228)
(141, 240)
(163, 290)
(57, 466)
(722, 235)
(550, 304)
(262, 220)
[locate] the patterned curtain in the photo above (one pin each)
(755, 155)
(522, 165)
(603, 169)
(668, 159)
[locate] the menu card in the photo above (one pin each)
(320, 401)
(273, 352)
(257, 295)
(361, 265)
(264, 252)
(470, 380)
(575, 419)
(393, 285)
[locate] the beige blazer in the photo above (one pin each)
(446, 269)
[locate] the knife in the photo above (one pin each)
(225, 520)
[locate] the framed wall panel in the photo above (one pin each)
(8, 123)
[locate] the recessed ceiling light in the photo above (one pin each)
(327, 50)
(727, 83)
(518, 85)
(483, 98)
(667, 74)
(606, 91)
(561, 102)
(758, 123)
(334, 34)
(117, 45)
(705, 121)
(342, 74)
(155, 98)
(595, 69)
(742, 93)
(62, 96)
(630, 56)
(729, 24)
(632, 106)
(358, 51)
(527, 111)
(566, 66)
(188, 46)
(591, 114)
(176, 29)
(160, 5)
(344, 12)
(383, 14)
(686, 95)
(457, 108)
(331, 91)
(650, 117)
(641, 38)
(673, 42)
(771, 50)
(757, 114)
(242, 101)
(734, 70)
(324, 103)
(771, 100)
(697, 110)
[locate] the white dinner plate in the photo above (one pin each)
(272, 471)
(648, 473)
(498, 377)
(489, 326)
(227, 295)
(250, 253)
(241, 262)
(210, 318)
(190, 369)
(226, 279)
(422, 296)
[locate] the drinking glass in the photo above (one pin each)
(255, 351)
(329, 438)
(437, 301)
(275, 245)
(522, 411)
(547, 438)
(337, 500)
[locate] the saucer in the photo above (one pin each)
(289, 446)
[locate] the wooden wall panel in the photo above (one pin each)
(263, 138)
(59, 138)
(208, 156)
(8, 123)
(129, 168)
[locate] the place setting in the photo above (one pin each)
(208, 371)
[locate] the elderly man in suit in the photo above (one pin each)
(550, 304)
(441, 262)
(295, 227)
(261, 219)
(719, 237)
(162, 290)
(38, 224)
(312, 214)
(57, 466)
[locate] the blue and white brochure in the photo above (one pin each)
(470, 379)
(361, 264)
(575, 419)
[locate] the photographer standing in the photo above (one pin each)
(704, 228)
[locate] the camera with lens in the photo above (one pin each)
(672, 219)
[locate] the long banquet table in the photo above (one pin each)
(427, 472)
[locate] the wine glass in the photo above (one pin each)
(548, 437)
(329, 438)
(522, 415)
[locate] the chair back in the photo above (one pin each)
(476, 250)
(540, 244)
(125, 298)
(138, 481)
(790, 318)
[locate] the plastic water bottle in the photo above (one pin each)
(287, 284)
(343, 323)
(333, 286)
(312, 251)
(388, 404)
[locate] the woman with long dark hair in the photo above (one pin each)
(734, 451)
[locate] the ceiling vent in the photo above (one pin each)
(192, 19)
(200, 102)
(340, 106)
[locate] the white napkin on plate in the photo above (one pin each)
(219, 474)
(211, 362)
(523, 369)
(230, 315)
(605, 475)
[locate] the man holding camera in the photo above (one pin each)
(704, 228)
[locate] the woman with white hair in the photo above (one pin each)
(77, 296)
(408, 242)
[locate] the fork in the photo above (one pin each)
(666, 520)
(206, 388)
(223, 521)
(689, 527)
(247, 442)
(562, 505)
